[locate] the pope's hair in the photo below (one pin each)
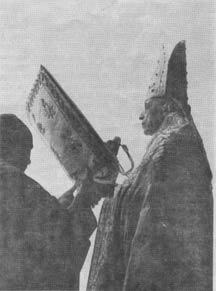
(172, 105)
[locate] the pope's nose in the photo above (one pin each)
(142, 115)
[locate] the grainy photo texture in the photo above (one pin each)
(107, 145)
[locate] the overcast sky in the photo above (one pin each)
(103, 54)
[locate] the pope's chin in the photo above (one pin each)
(146, 130)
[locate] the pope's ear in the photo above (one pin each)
(167, 107)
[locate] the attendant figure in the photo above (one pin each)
(43, 240)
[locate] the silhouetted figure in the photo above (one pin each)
(43, 241)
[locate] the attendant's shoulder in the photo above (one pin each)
(32, 184)
(16, 182)
(11, 176)
(6, 168)
(36, 191)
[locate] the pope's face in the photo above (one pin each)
(153, 115)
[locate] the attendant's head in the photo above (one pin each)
(15, 141)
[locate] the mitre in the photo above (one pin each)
(170, 77)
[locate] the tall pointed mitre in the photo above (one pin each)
(176, 84)
(158, 80)
(170, 77)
